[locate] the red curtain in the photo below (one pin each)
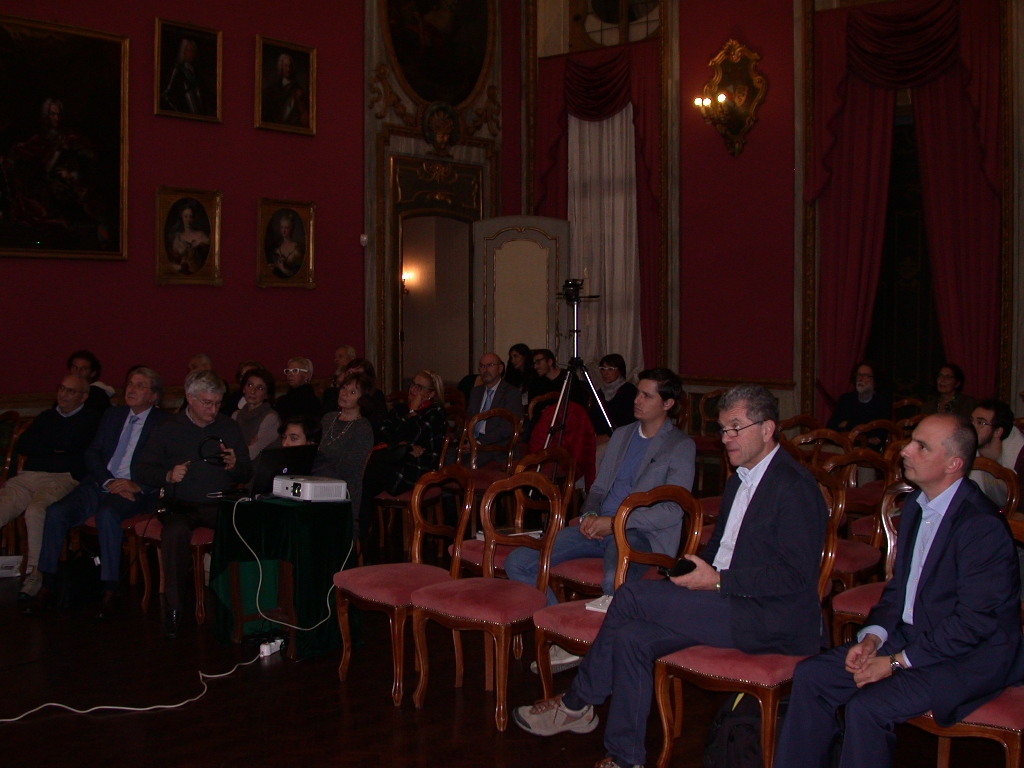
(948, 54)
(593, 86)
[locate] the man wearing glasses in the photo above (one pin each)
(192, 457)
(54, 449)
(300, 399)
(999, 440)
(493, 392)
(754, 587)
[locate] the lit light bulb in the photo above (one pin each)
(707, 102)
(698, 101)
(721, 98)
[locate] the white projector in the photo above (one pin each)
(306, 488)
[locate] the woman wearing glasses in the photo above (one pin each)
(949, 382)
(257, 418)
(300, 399)
(616, 394)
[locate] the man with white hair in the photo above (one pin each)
(196, 453)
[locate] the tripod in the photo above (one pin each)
(576, 369)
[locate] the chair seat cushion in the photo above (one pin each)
(590, 571)
(571, 620)
(1004, 711)
(391, 583)
(473, 552)
(863, 527)
(128, 524)
(152, 530)
(385, 499)
(483, 477)
(858, 601)
(867, 495)
(765, 669)
(854, 556)
(711, 505)
(492, 601)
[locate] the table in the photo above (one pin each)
(301, 545)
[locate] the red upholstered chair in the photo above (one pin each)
(818, 445)
(709, 442)
(1001, 719)
(9, 421)
(908, 424)
(859, 434)
(556, 464)
(766, 677)
(682, 420)
(863, 500)
(14, 535)
(388, 588)
(501, 608)
(130, 542)
(906, 407)
(570, 625)
(853, 605)
(1004, 475)
(801, 423)
(149, 531)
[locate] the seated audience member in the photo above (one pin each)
(865, 403)
(945, 636)
(85, 364)
(519, 370)
(616, 394)
(257, 418)
(54, 449)
(110, 491)
(549, 376)
(182, 459)
(577, 437)
(493, 392)
(754, 587)
(234, 399)
(299, 430)
(343, 355)
(200, 362)
(376, 407)
(300, 399)
(999, 440)
(346, 439)
(950, 385)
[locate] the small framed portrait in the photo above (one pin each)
(187, 237)
(187, 71)
(63, 142)
(284, 257)
(285, 86)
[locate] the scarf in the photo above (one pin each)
(610, 390)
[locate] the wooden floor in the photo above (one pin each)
(282, 713)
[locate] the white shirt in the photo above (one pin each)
(749, 480)
(991, 487)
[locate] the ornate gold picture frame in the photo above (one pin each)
(187, 71)
(63, 142)
(284, 244)
(285, 86)
(187, 236)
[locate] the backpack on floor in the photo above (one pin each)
(734, 738)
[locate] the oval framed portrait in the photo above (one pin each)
(188, 236)
(285, 250)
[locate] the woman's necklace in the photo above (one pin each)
(331, 437)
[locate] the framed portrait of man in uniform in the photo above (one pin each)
(187, 71)
(285, 86)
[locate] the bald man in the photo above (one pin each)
(493, 392)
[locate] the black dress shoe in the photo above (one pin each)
(172, 623)
(108, 607)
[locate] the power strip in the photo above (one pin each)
(269, 649)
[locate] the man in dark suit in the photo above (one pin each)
(754, 587)
(110, 491)
(493, 392)
(945, 635)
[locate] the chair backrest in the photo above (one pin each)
(904, 406)
(395, 397)
(682, 421)
(847, 464)
(893, 457)
(834, 493)
(9, 421)
(860, 434)
(453, 396)
(454, 479)
(470, 444)
(708, 410)
(453, 436)
(908, 424)
(1004, 475)
(818, 439)
(555, 463)
(689, 539)
(801, 423)
(892, 503)
(520, 484)
(18, 432)
(538, 402)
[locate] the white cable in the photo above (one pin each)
(203, 677)
(259, 582)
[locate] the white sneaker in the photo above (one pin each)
(600, 604)
(548, 717)
(561, 660)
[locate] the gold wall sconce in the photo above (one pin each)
(733, 94)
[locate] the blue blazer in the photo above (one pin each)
(966, 635)
(102, 448)
(772, 581)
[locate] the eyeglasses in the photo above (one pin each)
(607, 368)
(489, 365)
(417, 385)
(981, 423)
(296, 370)
(69, 391)
(865, 376)
(208, 403)
(735, 431)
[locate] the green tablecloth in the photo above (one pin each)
(314, 537)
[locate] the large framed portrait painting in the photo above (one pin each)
(187, 237)
(285, 86)
(63, 141)
(187, 71)
(284, 253)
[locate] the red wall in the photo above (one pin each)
(736, 214)
(115, 308)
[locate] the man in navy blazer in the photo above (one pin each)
(754, 587)
(109, 491)
(946, 634)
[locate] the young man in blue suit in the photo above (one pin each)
(945, 635)
(110, 491)
(754, 587)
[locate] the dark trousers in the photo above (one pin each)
(820, 686)
(86, 500)
(646, 620)
(176, 545)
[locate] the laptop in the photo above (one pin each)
(295, 460)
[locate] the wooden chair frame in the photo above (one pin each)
(859, 434)
(818, 438)
(1006, 476)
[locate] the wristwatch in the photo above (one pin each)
(894, 663)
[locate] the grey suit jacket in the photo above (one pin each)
(669, 461)
(505, 396)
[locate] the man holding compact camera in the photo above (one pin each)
(193, 457)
